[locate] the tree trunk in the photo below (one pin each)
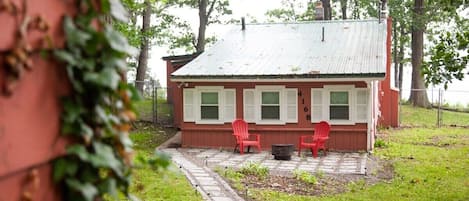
(143, 57)
(326, 4)
(203, 19)
(343, 7)
(418, 94)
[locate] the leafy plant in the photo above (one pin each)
(379, 143)
(305, 176)
(255, 169)
(97, 115)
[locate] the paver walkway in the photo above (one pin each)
(207, 182)
(197, 164)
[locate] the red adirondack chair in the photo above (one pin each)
(243, 138)
(321, 135)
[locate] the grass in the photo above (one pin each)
(429, 163)
(154, 185)
(414, 116)
(144, 110)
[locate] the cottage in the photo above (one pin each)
(285, 78)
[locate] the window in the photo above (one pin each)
(339, 105)
(274, 105)
(270, 105)
(209, 105)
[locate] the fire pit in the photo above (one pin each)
(282, 151)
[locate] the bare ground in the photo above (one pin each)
(327, 184)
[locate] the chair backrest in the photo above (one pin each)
(321, 130)
(240, 128)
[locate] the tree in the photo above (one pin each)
(437, 11)
(326, 4)
(144, 35)
(292, 11)
(210, 12)
(144, 47)
(418, 93)
(448, 59)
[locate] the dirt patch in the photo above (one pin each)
(327, 184)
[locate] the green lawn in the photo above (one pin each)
(144, 110)
(430, 163)
(154, 185)
(414, 116)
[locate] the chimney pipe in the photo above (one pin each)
(243, 24)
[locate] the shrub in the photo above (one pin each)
(255, 169)
(380, 143)
(305, 176)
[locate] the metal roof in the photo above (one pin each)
(352, 49)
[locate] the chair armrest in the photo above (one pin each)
(258, 136)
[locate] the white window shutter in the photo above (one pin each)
(291, 105)
(249, 107)
(361, 105)
(229, 112)
(189, 106)
(317, 105)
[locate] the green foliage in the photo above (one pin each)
(97, 114)
(183, 37)
(380, 143)
(255, 169)
(292, 11)
(305, 176)
(449, 58)
(154, 183)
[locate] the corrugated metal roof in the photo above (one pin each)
(294, 50)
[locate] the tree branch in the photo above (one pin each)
(210, 10)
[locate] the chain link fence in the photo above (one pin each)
(448, 108)
(154, 106)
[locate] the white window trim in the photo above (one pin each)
(352, 93)
(221, 104)
(282, 102)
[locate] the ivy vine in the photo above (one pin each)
(97, 115)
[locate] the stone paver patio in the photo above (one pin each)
(197, 165)
(339, 163)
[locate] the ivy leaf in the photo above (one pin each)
(63, 167)
(118, 11)
(73, 34)
(109, 186)
(108, 77)
(118, 42)
(105, 157)
(86, 189)
(65, 56)
(77, 85)
(80, 151)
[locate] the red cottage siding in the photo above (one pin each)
(388, 97)
(342, 138)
